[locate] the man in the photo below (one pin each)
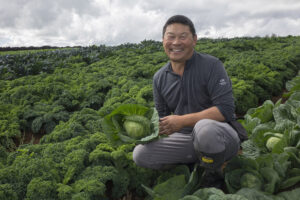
(193, 96)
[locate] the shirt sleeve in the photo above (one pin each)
(160, 103)
(220, 90)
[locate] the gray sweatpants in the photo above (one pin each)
(211, 144)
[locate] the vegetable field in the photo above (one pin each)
(59, 113)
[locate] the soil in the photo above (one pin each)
(274, 99)
(28, 137)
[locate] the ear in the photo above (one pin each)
(195, 39)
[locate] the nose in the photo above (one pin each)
(177, 40)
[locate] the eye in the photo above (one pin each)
(183, 37)
(170, 37)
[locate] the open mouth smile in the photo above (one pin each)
(176, 50)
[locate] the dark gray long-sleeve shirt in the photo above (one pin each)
(204, 84)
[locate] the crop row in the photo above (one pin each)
(62, 96)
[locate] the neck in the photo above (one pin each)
(178, 67)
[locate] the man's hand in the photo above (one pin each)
(173, 123)
(170, 124)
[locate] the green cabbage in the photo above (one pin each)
(137, 126)
(132, 123)
(134, 129)
(249, 180)
(271, 142)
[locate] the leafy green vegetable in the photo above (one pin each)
(41, 189)
(171, 189)
(179, 185)
(267, 172)
(205, 193)
(137, 126)
(190, 197)
(132, 123)
(258, 133)
(249, 180)
(216, 194)
(63, 96)
(240, 178)
(250, 150)
(195, 180)
(254, 194)
(290, 195)
(271, 179)
(263, 112)
(7, 192)
(271, 142)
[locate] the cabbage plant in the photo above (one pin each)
(132, 123)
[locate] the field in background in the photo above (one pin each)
(52, 103)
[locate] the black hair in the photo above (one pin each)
(181, 19)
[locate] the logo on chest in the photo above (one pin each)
(222, 82)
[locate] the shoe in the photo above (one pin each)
(213, 178)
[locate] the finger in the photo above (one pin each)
(164, 131)
(163, 118)
(161, 130)
(163, 124)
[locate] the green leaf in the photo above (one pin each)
(254, 194)
(284, 124)
(279, 147)
(190, 197)
(194, 181)
(250, 150)
(113, 123)
(250, 123)
(37, 124)
(234, 181)
(206, 193)
(259, 131)
(271, 179)
(149, 191)
(283, 112)
(294, 136)
(281, 164)
(155, 128)
(290, 195)
(263, 112)
(289, 182)
(170, 189)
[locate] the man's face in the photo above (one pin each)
(179, 42)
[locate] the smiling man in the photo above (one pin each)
(193, 96)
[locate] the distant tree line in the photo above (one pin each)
(33, 48)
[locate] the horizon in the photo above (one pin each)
(115, 22)
(137, 43)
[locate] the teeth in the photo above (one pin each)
(177, 50)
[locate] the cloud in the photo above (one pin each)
(112, 22)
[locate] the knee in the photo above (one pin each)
(206, 130)
(139, 156)
(207, 137)
(204, 124)
(136, 155)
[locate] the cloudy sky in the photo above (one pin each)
(113, 22)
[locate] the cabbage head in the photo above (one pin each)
(249, 180)
(131, 123)
(137, 126)
(271, 142)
